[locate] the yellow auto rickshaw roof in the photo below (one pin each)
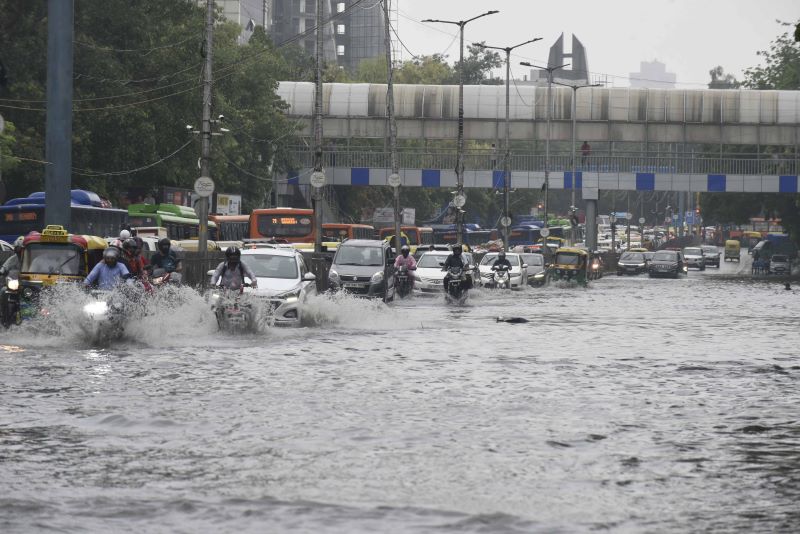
(732, 242)
(578, 251)
(94, 242)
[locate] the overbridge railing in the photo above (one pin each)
(685, 163)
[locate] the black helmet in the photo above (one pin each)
(501, 254)
(129, 245)
(163, 244)
(110, 255)
(404, 250)
(233, 253)
(457, 250)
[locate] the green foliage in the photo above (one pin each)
(782, 64)
(721, 80)
(137, 84)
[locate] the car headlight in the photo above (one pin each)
(377, 278)
(290, 296)
(333, 276)
(417, 278)
(538, 275)
(640, 264)
(12, 284)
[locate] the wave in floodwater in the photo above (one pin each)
(356, 313)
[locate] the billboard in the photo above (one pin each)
(228, 204)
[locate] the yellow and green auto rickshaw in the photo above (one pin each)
(50, 257)
(570, 264)
(732, 249)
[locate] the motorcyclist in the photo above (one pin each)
(13, 263)
(456, 260)
(109, 272)
(501, 262)
(406, 259)
(132, 259)
(231, 272)
(166, 258)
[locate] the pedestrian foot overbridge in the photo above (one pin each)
(684, 120)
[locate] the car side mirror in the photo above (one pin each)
(309, 277)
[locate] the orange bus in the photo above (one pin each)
(342, 231)
(417, 235)
(295, 225)
(231, 227)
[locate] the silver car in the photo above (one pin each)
(779, 264)
(284, 281)
(695, 258)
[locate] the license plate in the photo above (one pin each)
(437, 282)
(352, 285)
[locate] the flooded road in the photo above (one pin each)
(635, 405)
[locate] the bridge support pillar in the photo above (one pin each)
(591, 224)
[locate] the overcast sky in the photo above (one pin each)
(689, 36)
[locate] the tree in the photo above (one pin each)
(782, 65)
(721, 80)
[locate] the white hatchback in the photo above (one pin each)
(283, 279)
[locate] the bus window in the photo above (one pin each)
(280, 225)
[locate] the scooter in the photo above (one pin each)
(501, 278)
(104, 315)
(456, 290)
(234, 313)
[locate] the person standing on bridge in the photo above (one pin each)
(586, 150)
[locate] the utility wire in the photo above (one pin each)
(88, 172)
(146, 51)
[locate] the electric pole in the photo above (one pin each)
(394, 177)
(205, 131)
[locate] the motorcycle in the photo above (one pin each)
(161, 278)
(403, 281)
(234, 313)
(501, 278)
(18, 300)
(104, 315)
(456, 290)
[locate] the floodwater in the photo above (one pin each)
(635, 405)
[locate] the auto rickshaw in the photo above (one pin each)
(732, 249)
(50, 257)
(571, 264)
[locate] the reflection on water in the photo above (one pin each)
(635, 404)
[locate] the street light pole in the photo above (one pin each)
(574, 140)
(394, 177)
(460, 147)
(506, 221)
(547, 140)
(205, 131)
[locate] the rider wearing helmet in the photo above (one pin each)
(230, 273)
(406, 259)
(501, 262)
(165, 258)
(109, 272)
(456, 259)
(12, 264)
(134, 262)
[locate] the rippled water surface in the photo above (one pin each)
(634, 405)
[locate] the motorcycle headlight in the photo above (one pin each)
(27, 292)
(96, 308)
(538, 275)
(158, 280)
(12, 284)
(377, 278)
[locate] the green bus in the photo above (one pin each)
(181, 222)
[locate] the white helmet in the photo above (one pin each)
(19, 242)
(124, 234)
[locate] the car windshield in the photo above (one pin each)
(566, 258)
(359, 256)
(51, 259)
(431, 261)
(632, 256)
(533, 259)
(778, 257)
(693, 251)
(489, 259)
(665, 255)
(271, 265)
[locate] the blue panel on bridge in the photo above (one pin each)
(294, 178)
(568, 180)
(497, 179)
(645, 181)
(716, 183)
(431, 177)
(359, 176)
(788, 184)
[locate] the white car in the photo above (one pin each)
(429, 276)
(284, 280)
(518, 275)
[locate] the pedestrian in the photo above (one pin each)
(586, 150)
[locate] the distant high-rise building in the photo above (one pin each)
(247, 13)
(653, 75)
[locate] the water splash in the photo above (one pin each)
(342, 309)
